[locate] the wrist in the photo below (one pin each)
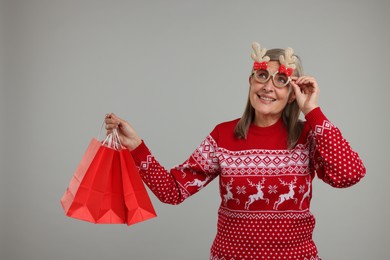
(308, 110)
(133, 145)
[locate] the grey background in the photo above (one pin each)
(174, 69)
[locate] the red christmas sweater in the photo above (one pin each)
(265, 188)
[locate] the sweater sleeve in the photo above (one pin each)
(333, 158)
(175, 185)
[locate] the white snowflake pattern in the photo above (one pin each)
(272, 189)
(241, 190)
(301, 188)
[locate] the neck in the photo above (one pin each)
(266, 120)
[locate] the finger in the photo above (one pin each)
(301, 80)
(308, 80)
(306, 85)
(301, 87)
(108, 121)
(304, 78)
(297, 89)
(108, 132)
(112, 115)
(121, 122)
(111, 126)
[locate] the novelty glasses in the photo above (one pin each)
(280, 80)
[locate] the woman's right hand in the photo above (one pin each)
(127, 135)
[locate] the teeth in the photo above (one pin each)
(266, 98)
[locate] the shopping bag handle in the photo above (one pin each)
(112, 140)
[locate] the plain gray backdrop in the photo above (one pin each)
(175, 69)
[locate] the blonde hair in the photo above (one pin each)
(290, 114)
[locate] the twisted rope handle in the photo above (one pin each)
(112, 140)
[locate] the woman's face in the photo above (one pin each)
(267, 100)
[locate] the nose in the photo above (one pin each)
(268, 86)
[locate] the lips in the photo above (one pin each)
(266, 98)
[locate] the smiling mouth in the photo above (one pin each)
(266, 98)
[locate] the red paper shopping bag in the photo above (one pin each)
(90, 198)
(138, 204)
(89, 155)
(106, 187)
(113, 209)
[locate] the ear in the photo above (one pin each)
(250, 82)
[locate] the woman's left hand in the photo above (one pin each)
(306, 92)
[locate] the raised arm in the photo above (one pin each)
(333, 158)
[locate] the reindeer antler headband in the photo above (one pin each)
(258, 55)
(287, 61)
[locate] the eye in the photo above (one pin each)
(262, 74)
(281, 78)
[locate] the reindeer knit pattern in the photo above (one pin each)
(265, 188)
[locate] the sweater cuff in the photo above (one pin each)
(140, 153)
(315, 117)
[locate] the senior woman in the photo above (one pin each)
(266, 161)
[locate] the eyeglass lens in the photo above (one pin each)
(280, 80)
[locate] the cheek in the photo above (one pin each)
(255, 88)
(283, 94)
(252, 90)
(252, 97)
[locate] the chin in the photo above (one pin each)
(268, 111)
